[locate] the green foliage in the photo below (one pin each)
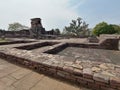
(3, 39)
(103, 28)
(77, 28)
(16, 27)
(117, 28)
(57, 31)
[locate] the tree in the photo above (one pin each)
(16, 27)
(103, 28)
(77, 28)
(57, 31)
(117, 28)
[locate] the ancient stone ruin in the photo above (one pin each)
(93, 62)
(93, 65)
(36, 28)
(36, 31)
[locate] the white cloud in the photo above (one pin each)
(54, 13)
(78, 3)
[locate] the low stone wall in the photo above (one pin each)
(37, 45)
(95, 75)
(110, 44)
(93, 39)
(109, 36)
(14, 34)
(106, 41)
(13, 42)
(28, 34)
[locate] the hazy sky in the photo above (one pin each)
(58, 13)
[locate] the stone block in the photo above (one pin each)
(87, 73)
(52, 70)
(77, 66)
(88, 80)
(78, 72)
(96, 69)
(62, 73)
(114, 81)
(101, 78)
(70, 77)
(82, 82)
(106, 88)
(68, 69)
(101, 84)
(93, 86)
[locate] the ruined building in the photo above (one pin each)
(36, 31)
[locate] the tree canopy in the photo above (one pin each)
(104, 28)
(57, 31)
(16, 27)
(116, 27)
(77, 27)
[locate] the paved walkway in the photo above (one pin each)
(13, 77)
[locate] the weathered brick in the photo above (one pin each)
(68, 69)
(117, 69)
(87, 73)
(42, 69)
(47, 63)
(114, 81)
(96, 69)
(78, 72)
(71, 78)
(88, 80)
(101, 84)
(54, 66)
(77, 66)
(52, 70)
(62, 73)
(101, 78)
(59, 68)
(82, 82)
(77, 61)
(106, 88)
(93, 86)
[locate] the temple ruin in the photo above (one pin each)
(36, 31)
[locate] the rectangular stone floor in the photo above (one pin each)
(107, 56)
(13, 77)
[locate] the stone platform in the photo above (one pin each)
(92, 74)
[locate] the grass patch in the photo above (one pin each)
(3, 40)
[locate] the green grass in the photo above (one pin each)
(2, 40)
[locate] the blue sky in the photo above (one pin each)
(95, 11)
(59, 13)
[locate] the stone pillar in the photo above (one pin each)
(36, 22)
(37, 29)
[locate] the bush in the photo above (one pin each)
(103, 28)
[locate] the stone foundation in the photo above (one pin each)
(89, 77)
(91, 74)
